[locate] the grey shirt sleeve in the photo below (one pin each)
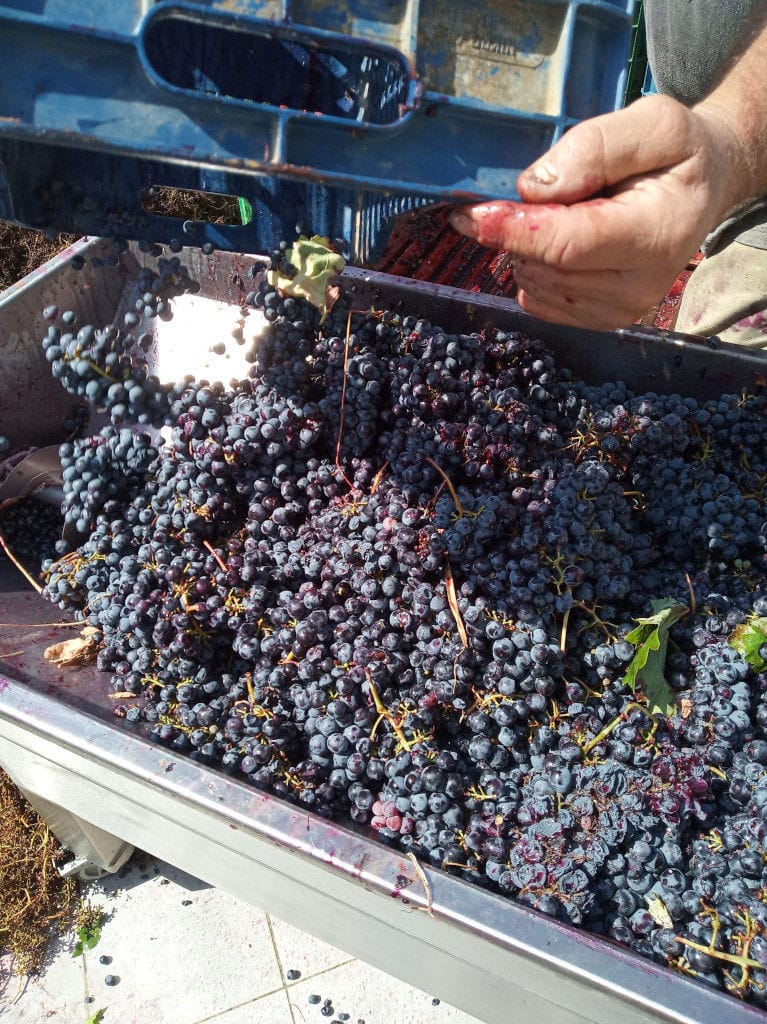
(690, 42)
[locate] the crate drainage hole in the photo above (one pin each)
(288, 71)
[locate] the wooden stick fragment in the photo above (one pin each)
(39, 625)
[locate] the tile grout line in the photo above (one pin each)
(284, 988)
(238, 1006)
(279, 965)
(310, 977)
(87, 993)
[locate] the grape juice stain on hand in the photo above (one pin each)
(488, 222)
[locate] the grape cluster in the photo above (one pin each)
(31, 530)
(393, 577)
(106, 366)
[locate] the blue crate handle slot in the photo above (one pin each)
(283, 71)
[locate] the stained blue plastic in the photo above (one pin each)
(333, 116)
(649, 87)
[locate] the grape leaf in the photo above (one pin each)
(316, 266)
(748, 638)
(650, 640)
(87, 937)
(97, 1017)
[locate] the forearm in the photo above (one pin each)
(736, 111)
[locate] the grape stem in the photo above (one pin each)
(378, 477)
(563, 633)
(219, 562)
(102, 373)
(693, 602)
(604, 733)
(19, 566)
(453, 493)
(731, 958)
(385, 715)
(452, 600)
(343, 398)
(424, 882)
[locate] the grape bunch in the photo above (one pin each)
(396, 577)
(105, 366)
(31, 530)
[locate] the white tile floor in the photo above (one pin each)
(186, 953)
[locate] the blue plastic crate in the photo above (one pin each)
(329, 115)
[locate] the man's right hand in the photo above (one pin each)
(613, 212)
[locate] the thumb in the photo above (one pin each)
(653, 133)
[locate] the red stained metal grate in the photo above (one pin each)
(423, 246)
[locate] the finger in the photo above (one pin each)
(632, 293)
(587, 315)
(545, 310)
(651, 134)
(624, 230)
(598, 299)
(578, 237)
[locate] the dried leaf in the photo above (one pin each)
(658, 911)
(452, 600)
(80, 650)
(317, 265)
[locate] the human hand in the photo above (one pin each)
(613, 212)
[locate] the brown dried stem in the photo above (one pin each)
(19, 566)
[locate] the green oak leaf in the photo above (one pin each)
(747, 639)
(316, 266)
(650, 640)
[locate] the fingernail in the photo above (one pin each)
(542, 174)
(464, 224)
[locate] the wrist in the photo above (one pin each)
(732, 165)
